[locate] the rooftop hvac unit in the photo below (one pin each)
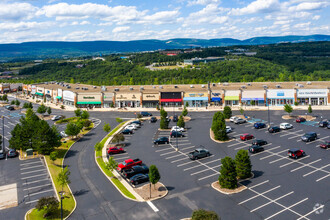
(68, 87)
(249, 84)
(176, 86)
(103, 88)
(265, 86)
(154, 87)
(203, 86)
(160, 87)
(191, 86)
(77, 88)
(309, 83)
(297, 84)
(141, 88)
(225, 84)
(278, 86)
(46, 83)
(116, 89)
(301, 86)
(243, 87)
(94, 87)
(213, 84)
(130, 88)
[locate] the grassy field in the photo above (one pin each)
(55, 168)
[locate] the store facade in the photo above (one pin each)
(127, 100)
(232, 97)
(216, 98)
(48, 94)
(281, 97)
(196, 99)
(312, 96)
(108, 99)
(89, 100)
(171, 99)
(40, 92)
(59, 97)
(253, 97)
(68, 98)
(150, 100)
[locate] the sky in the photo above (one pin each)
(124, 20)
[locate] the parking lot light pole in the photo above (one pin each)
(62, 197)
(267, 102)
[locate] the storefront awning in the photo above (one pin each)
(58, 97)
(88, 103)
(38, 93)
(216, 99)
(195, 99)
(253, 99)
(232, 98)
(171, 100)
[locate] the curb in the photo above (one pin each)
(220, 142)
(238, 183)
(149, 200)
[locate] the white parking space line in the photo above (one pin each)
(121, 154)
(265, 151)
(295, 136)
(168, 148)
(25, 168)
(121, 158)
(273, 154)
(23, 164)
(259, 194)
(317, 169)
(322, 178)
(201, 164)
(291, 132)
(34, 171)
(193, 161)
(174, 161)
(152, 206)
(29, 177)
(237, 148)
(205, 177)
(274, 161)
(6, 138)
(259, 184)
(179, 155)
(6, 126)
(37, 193)
(284, 165)
(271, 201)
(182, 144)
(11, 123)
(168, 153)
(35, 187)
(9, 133)
(207, 169)
(33, 201)
(36, 181)
(234, 144)
(187, 148)
(314, 210)
(288, 208)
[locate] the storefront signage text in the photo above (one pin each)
(280, 93)
(216, 94)
(194, 95)
(88, 97)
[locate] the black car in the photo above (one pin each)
(146, 114)
(259, 125)
(136, 122)
(274, 129)
(259, 142)
(139, 178)
(175, 133)
(12, 153)
(127, 131)
(310, 136)
(323, 124)
(162, 140)
(135, 170)
(175, 118)
(153, 119)
(256, 148)
(10, 108)
(2, 155)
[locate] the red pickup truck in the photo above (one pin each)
(129, 163)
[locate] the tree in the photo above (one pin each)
(53, 156)
(310, 110)
(42, 109)
(5, 97)
(185, 111)
(87, 123)
(26, 105)
(98, 146)
(118, 138)
(181, 122)
(63, 177)
(72, 81)
(119, 120)
(49, 110)
(202, 214)
(107, 127)
(78, 112)
(241, 110)
(219, 127)
(163, 123)
(62, 107)
(154, 176)
(227, 112)
(111, 164)
(85, 115)
(243, 164)
(288, 108)
(186, 105)
(296, 103)
(30, 105)
(72, 129)
(163, 113)
(17, 102)
(228, 175)
(12, 102)
(49, 204)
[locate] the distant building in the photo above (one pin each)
(196, 60)
(192, 50)
(98, 58)
(6, 73)
(170, 52)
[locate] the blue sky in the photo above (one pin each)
(122, 20)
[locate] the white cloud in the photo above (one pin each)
(281, 22)
(308, 6)
(16, 11)
(302, 25)
(316, 17)
(25, 26)
(160, 17)
(258, 6)
(202, 2)
(120, 29)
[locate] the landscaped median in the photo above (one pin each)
(54, 168)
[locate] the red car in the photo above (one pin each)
(299, 120)
(295, 153)
(325, 144)
(115, 150)
(129, 163)
(245, 137)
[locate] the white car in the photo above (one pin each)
(239, 121)
(131, 127)
(233, 118)
(177, 128)
(285, 126)
(63, 134)
(56, 117)
(228, 129)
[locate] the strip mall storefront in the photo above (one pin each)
(89, 100)
(48, 95)
(68, 98)
(196, 99)
(281, 97)
(253, 97)
(150, 100)
(128, 100)
(312, 96)
(170, 99)
(216, 98)
(108, 100)
(40, 92)
(232, 97)
(33, 90)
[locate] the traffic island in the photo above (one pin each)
(220, 142)
(307, 117)
(215, 185)
(150, 192)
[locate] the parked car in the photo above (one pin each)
(274, 129)
(255, 149)
(127, 164)
(127, 131)
(176, 134)
(12, 153)
(228, 129)
(175, 118)
(296, 153)
(139, 178)
(300, 119)
(310, 136)
(115, 150)
(131, 127)
(259, 125)
(246, 136)
(145, 114)
(328, 126)
(136, 122)
(161, 140)
(177, 128)
(286, 126)
(153, 119)
(63, 134)
(233, 118)
(56, 117)
(239, 121)
(135, 170)
(324, 123)
(168, 119)
(2, 154)
(325, 144)
(259, 142)
(199, 153)
(10, 108)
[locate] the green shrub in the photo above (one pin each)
(202, 214)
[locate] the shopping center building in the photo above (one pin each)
(198, 95)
